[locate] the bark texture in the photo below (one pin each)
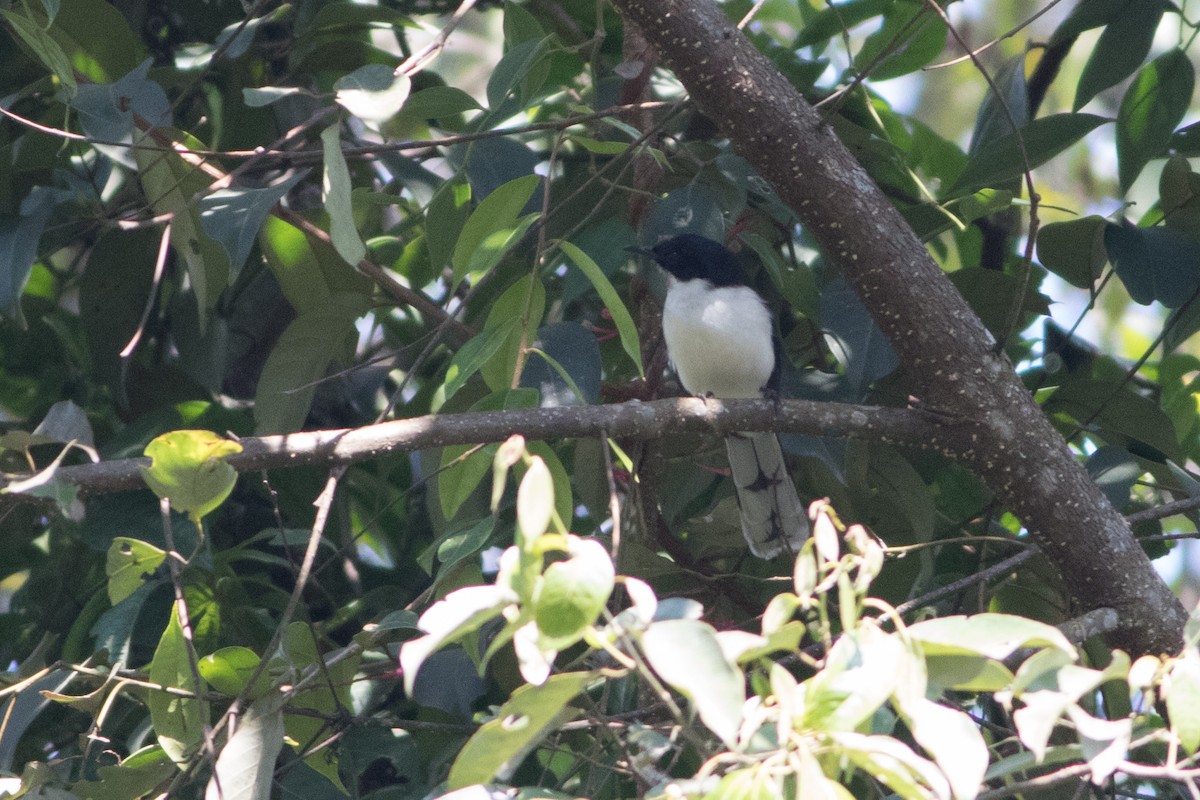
(949, 355)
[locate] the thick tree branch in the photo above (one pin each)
(632, 420)
(947, 353)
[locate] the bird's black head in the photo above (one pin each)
(688, 256)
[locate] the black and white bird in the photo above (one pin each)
(719, 337)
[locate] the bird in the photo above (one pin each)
(719, 337)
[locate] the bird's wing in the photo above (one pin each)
(773, 518)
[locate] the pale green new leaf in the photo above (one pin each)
(1183, 698)
(572, 593)
(993, 635)
(895, 765)
(687, 655)
(953, 740)
(535, 503)
(461, 612)
(247, 761)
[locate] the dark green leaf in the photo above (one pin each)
(1154, 263)
(910, 38)
(993, 295)
(437, 102)
(567, 360)
(1002, 113)
(837, 18)
(1118, 415)
(1115, 471)
(1074, 250)
(233, 217)
(856, 340)
(512, 70)
(300, 359)
(1153, 105)
(1000, 161)
(1122, 47)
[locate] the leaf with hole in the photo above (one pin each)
(188, 468)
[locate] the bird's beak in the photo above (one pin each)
(641, 251)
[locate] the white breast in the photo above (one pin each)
(718, 339)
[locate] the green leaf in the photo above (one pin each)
(336, 192)
(529, 716)
(1074, 250)
(512, 70)
(48, 51)
(621, 317)
(1118, 414)
(20, 237)
(909, 39)
(999, 161)
(572, 593)
(300, 360)
(1115, 471)
(1151, 108)
(444, 220)
(525, 304)
(136, 776)
(687, 655)
(967, 673)
(129, 563)
(836, 18)
(178, 721)
(460, 473)
(438, 102)
(1120, 50)
(993, 294)
(999, 112)
(188, 468)
(246, 764)
(476, 353)
(229, 669)
(310, 273)
(493, 227)
(266, 95)
(1154, 263)
(374, 93)
(328, 696)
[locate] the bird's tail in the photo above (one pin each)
(773, 518)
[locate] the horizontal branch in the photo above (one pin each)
(631, 420)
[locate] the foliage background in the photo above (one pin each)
(387, 254)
